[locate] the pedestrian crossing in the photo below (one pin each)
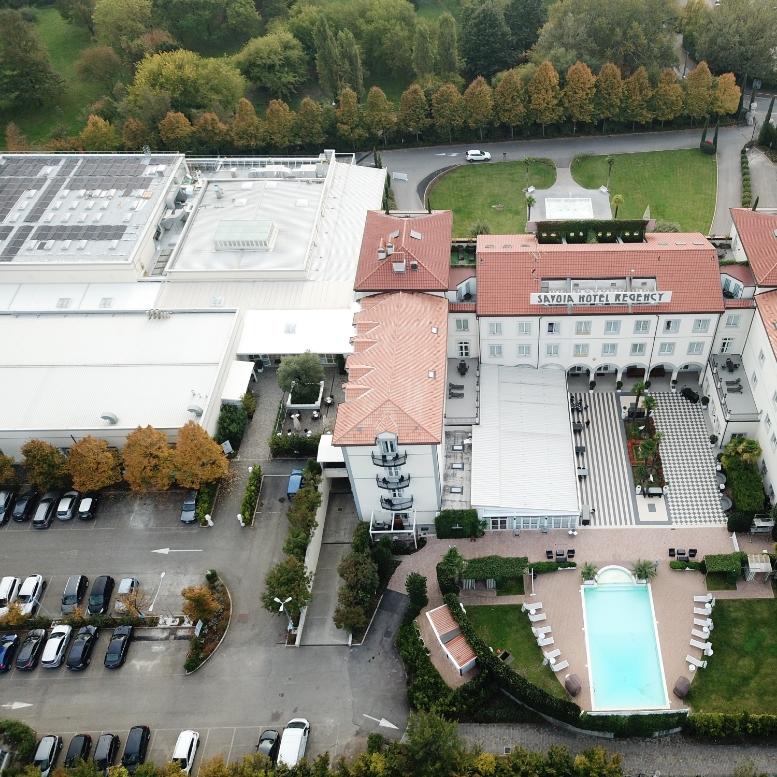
(608, 487)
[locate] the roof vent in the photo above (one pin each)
(413, 265)
(63, 302)
(432, 374)
(394, 235)
(290, 328)
(774, 232)
(194, 410)
(217, 302)
(110, 418)
(381, 252)
(106, 302)
(416, 235)
(435, 330)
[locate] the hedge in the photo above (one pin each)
(466, 520)
(747, 490)
(738, 726)
(206, 498)
(231, 425)
(633, 725)
(729, 564)
(294, 445)
(251, 495)
(495, 567)
(744, 163)
(541, 567)
(698, 566)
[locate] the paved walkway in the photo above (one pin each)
(763, 174)
(674, 756)
(566, 187)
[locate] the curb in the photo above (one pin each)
(223, 636)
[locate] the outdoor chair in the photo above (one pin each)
(456, 386)
(700, 634)
(706, 598)
(692, 552)
(734, 389)
(559, 666)
(706, 610)
(705, 647)
(536, 617)
(551, 655)
(560, 554)
(540, 631)
(672, 553)
(704, 623)
(455, 395)
(531, 607)
(570, 554)
(545, 641)
(549, 555)
(695, 662)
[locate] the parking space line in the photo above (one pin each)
(202, 752)
(231, 744)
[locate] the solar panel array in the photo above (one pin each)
(51, 191)
(16, 242)
(66, 232)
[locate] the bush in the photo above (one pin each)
(211, 576)
(697, 566)
(231, 425)
(415, 585)
(451, 524)
(495, 567)
(19, 737)
(249, 404)
(746, 485)
(294, 445)
(375, 742)
(384, 560)
(251, 495)
(737, 521)
(302, 518)
(737, 726)
(206, 498)
(361, 537)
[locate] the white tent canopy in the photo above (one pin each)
(237, 382)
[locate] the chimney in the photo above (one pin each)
(381, 251)
(389, 248)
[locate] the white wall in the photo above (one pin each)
(733, 326)
(469, 335)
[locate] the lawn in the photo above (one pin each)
(679, 186)
(64, 42)
(505, 626)
(741, 674)
(491, 193)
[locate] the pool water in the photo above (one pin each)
(624, 659)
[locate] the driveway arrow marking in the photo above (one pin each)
(16, 705)
(165, 551)
(382, 722)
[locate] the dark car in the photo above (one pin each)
(46, 754)
(78, 750)
(9, 644)
(75, 588)
(188, 508)
(269, 742)
(23, 506)
(7, 496)
(80, 654)
(66, 508)
(118, 647)
(100, 596)
(135, 748)
(30, 650)
(44, 511)
(105, 751)
(87, 508)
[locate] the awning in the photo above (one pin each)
(237, 382)
(328, 453)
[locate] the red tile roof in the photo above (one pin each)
(461, 307)
(767, 307)
(458, 275)
(740, 272)
(431, 251)
(738, 303)
(510, 268)
(758, 233)
(389, 387)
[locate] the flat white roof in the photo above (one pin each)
(328, 453)
(63, 371)
(38, 297)
(237, 381)
(523, 459)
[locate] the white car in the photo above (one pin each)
(475, 155)
(56, 645)
(185, 750)
(30, 594)
(9, 588)
(128, 586)
(294, 741)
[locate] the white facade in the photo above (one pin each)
(463, 335)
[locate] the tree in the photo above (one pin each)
(15, 139)
(287, 579)
(350, 62)
(210, 23)
(745, 449)
(545, 96)
(588, 571)
(135, 134)
(310, 123)
(45, 465)
(423, 50)
(510, 100)
(351, 611)
(349, 118)
(26, 76)
(413, 110)
(198, 458)
(360, 574)
(77, 12)
(380, 118)
(698, 92)
(7, 470)
(479, 104)
(578, 94)
(415, 585)
(301, 375)
(447, 47)
(668, 97)
(100, 64)
(327, 63)
(199, 603)
(486, 41)
(725, 95)
(231, 424)
(638, 389)
(118, 23)
(148, 460)
(637, 96)
(176, 131)
(524, 19)
(246, 130)
(434, 748)
(99, 135)
(609, 93)
(93, 465)
(447, 110)
(209, 132)
(597, 762)
(644, 570)
(275, 62)
(530, 203)
(280, 124)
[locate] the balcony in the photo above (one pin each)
(396, 503)
(395, 459)
(392, 482)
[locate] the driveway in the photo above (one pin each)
(764, 178)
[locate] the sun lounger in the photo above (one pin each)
(559, 666)
(531, 607)
(702, 610)
(540, 631)
(706, 598)
(536, 617)
(700, 634)
(705, 647)
(545, 641)
(551, 655)
(704, 623)
(695, 662)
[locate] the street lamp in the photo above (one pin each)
(282, 608)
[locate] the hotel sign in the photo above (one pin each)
(583, 298)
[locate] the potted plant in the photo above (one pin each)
(705, 401)
(650, 404)
(618, 385)
(591, 385)
(713, 439)
(647, 384)
(588, 571)
(673, 385)
(644, 570)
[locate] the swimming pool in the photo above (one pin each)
(624, 659)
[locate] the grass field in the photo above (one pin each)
(491, 193)
(64, 43)
(741, 674)
(678, 186)
(505, 626)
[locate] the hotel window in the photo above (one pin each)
(612, 327)
(672, 326)
(642, 326)
(638, 349)
(462, 325)
(495, 328)
(463, 349)
(582, 327)
(695, 348)
(725, 344)
(701, 325)
(581, 349)
(609, 349)
(495, 351)
(553, 327)
(754, 379)
(499, 524)
(524, 327)
(666, 348)
(551, 350)
(732, 320)
(387, 442)
(761, 357)
(524, 351)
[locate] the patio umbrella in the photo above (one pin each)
(572, 684)
(682, 687)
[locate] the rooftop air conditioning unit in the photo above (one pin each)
(194, 410)
(110, 418)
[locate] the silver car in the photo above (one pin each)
(56, 645)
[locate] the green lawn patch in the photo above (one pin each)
(740, 676)
(491, 193)
(717, 581)
(512, 586)
(505, 626)
(679, 186)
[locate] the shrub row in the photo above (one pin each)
(251, 495)
(76, 621)
(302, 514)
(746, 485)
(747, 192)
(633, 725)
(231, 425)
(452, 524)
(293, 446)
(495, 567)
(698, 566)
(737, 726)
(541, 567)
(206, 498)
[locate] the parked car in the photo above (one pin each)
(47, 753)
(116, 653)
(105, 752)
(294, 741)
(128, 588)
(296, 481)
(100, 596)
(135, 748)
(185, 750)
(9, 644)
(7, 496)
(29, 652)
(56, 645)
(476, 155)
(44, 511)
(80, 654)
(269, 741)
(30, 593)
(75, 588)
(188, 514)
(66, 508)
(87, 507)
(78, 750)
(23, 506)
(9, 588)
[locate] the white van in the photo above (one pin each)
(294, 741)
(185, 750)
(9, 588)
